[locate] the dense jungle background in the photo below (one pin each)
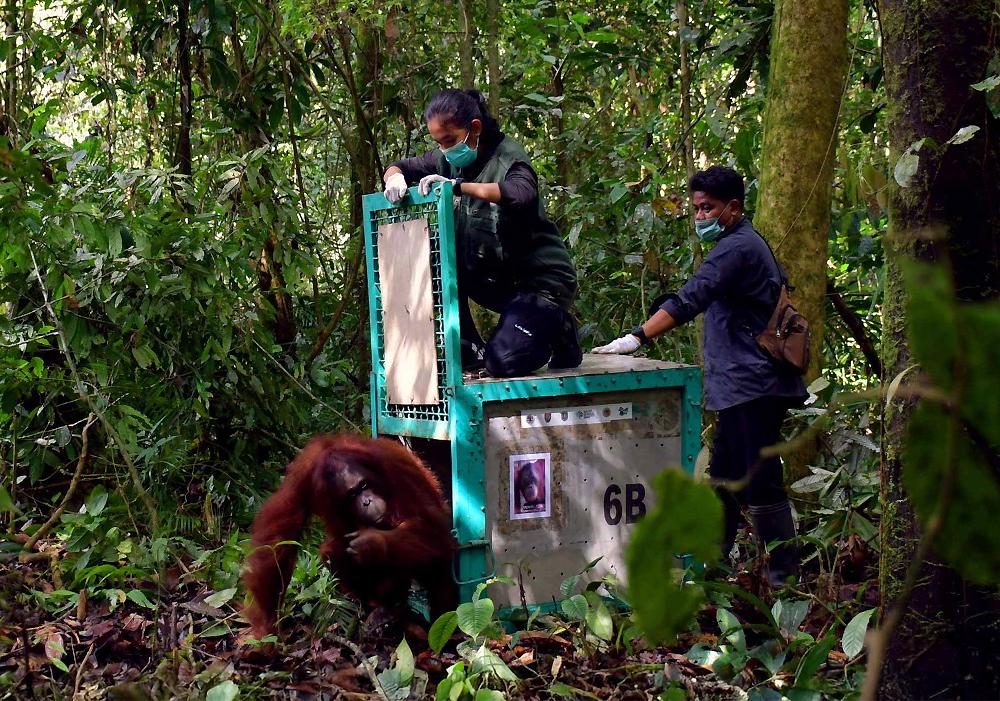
(184, 303)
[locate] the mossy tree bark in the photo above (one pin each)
(945, 644)
(808, 61)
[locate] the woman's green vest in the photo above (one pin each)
(499, 246)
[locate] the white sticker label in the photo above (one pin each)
(571, 415)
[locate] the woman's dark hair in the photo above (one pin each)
(720, 182)
(460, 107)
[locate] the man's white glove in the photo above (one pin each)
(621, 346)
(395, 188)
(427, 182)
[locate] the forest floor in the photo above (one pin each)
(190, 644)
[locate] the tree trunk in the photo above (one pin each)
(359, 62)
(564, 166)
(270, 271)
(493, 53)
(8, 101)
(182, 156)
(945, 643)
(466, 69)
(25, 95)
(687, 127)
(808, 61)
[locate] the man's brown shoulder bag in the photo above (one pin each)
(786, 336)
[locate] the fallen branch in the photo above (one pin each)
(54, 518)
(361, 656)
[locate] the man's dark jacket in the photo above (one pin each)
(736, 287)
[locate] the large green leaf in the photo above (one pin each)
(474, 616)
(853, 641)
(442, 630)
(97, 500)
(575, 607)
(969, 539)
(219, 598)
(6, 502)
(979, 326)
(599, 620)
(931, 316)
(404, 662)
(955, 345)
(485, 660)
(811, 661)
(789, 614)
(687, 519)
(731, 628)
(489, 695)
(224, 691)
(392, 685)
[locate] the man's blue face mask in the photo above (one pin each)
(710, 230)
(460, 155)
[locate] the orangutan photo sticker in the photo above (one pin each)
(531, 486)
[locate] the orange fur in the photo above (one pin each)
(419, 545)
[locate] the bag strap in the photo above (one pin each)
(781, 270)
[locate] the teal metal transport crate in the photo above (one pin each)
(544, 473)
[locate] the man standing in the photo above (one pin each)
(737, 287)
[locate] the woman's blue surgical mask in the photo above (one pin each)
(710, 230)
(460, 155)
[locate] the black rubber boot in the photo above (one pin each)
(566, 351)
(774, 523)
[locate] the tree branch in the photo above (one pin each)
(80, 462)
(324, 335)
(856, 327)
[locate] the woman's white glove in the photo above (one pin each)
(427, 182)
(395, 188)
(622, 346)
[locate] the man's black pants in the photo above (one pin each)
(740, 433)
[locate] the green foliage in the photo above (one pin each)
(949, 477)
(441, 631)
(169, 311)
(223, 691)
(853, 640)
(313, 596)
(776, 659)
(481, 669)
(474, 616)
(953, 436)
(395, 682)
(687, 519)
(6, 502)
(843, 485)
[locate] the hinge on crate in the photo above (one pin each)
(491, 562)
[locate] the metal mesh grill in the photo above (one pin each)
(426, 412)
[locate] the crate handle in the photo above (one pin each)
(490, 559)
